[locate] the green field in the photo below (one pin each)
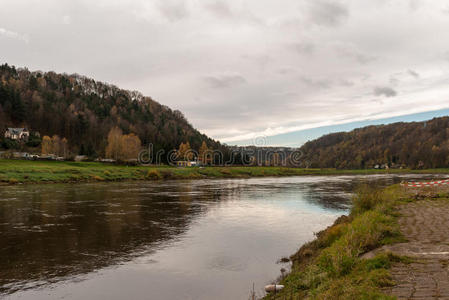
(22, 171)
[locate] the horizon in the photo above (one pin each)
(309, 134)
(241, 71)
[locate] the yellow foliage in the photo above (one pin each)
(154, 174)
(122, 147)
(54, 145)
(204, 154)
(184, 152)
(47, 147)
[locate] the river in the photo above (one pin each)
(200, 239)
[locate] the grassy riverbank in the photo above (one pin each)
(330, 267)
(22, 171)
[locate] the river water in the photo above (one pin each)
(201, 239)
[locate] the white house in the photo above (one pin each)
(81, 157)
(17, 134)
(186, 163)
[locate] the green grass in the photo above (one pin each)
(331, 267)
(22, 171)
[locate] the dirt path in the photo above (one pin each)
(425, 224)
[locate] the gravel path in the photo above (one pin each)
(425, 224)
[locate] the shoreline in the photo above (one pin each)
(39, 172)
(330, 267)
(357, 257)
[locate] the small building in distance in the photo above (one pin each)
(17, 134)
(186, 163)
(79, 158)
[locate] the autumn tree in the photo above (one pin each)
(115, 147)
(122, 147)
(204, 155)
(132, 146)
(47, 147)
(184, 152)
(181, 151)
(56, 145)
(64, 147)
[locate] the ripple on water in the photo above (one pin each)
(154, 235)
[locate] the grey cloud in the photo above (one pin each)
(259, 60)
(413, 73)
(224, 10)
(286, 70)
(394, 81)
(287, 94)
(224, 80)
(173, 10)
(350, 51)
(446, 55)
(290, 23)
(219, 8)
(403, 76)
(363, 58)
(414, 4)
(316, 83)
(303, 48)
(385, 91)
(345, 82)
(327, 12)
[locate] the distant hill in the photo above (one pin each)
(414, 145)
(83, 111)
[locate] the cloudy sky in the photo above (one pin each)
(240, 69)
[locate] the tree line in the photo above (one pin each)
(407, 145)
(85, 111)
(77, 115)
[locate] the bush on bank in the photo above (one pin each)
(330, 267)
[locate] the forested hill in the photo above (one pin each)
(83, 111)
(414, 145)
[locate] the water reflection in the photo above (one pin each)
(57, 230)
(206, 239)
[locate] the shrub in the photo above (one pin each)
(366, 198)
(10, 144)
(13, 181)
(74, 177)
(153, 174)
(98, 178)
(330, 235)
(225, 172)
(34, 141)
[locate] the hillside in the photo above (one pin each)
(413, 145)
(83, 111)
